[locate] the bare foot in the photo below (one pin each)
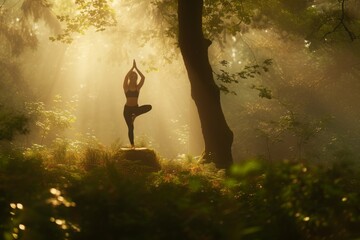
(132, 146)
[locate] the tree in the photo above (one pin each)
(317, 22)
(314, 22)
(194, 48)
(218, 137)
(14, 38)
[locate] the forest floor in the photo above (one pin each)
(98, 193)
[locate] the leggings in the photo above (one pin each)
(130, 113)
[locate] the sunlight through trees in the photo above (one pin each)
(254, 130)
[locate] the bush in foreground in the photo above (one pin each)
(184, 200)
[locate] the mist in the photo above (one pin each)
(314, 84)
(264, 144)
(90, 73)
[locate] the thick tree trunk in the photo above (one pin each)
(194, 48)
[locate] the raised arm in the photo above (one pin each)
(142, 77)
(126, 79)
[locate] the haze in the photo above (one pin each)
(316, 84)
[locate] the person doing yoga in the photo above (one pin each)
(131, 108)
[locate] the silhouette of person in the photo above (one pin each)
(131, 108)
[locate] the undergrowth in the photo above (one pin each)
(69, 191)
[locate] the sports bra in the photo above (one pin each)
(131, 93)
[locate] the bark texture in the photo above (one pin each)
(217, 135)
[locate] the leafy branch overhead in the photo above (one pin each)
(97, 14)
(248, 72)
(314, 21)
(264, 92)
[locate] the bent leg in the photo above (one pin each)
(143, 109)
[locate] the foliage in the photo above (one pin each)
(318, 22)
(82, 190)
(12, 123)
(219, 16)
(301, 127)
(16, 35)
(58, 118)
(13, 91)
(97, 14)
(250, 71)
(186, 199)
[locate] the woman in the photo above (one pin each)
(131, 108)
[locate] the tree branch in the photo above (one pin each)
(352, 36)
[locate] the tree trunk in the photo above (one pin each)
(217, 135)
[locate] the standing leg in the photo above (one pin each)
(128, 115)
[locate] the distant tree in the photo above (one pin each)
(17, 35)
(13, 119)
(12, 123)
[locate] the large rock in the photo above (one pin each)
(141, 157)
